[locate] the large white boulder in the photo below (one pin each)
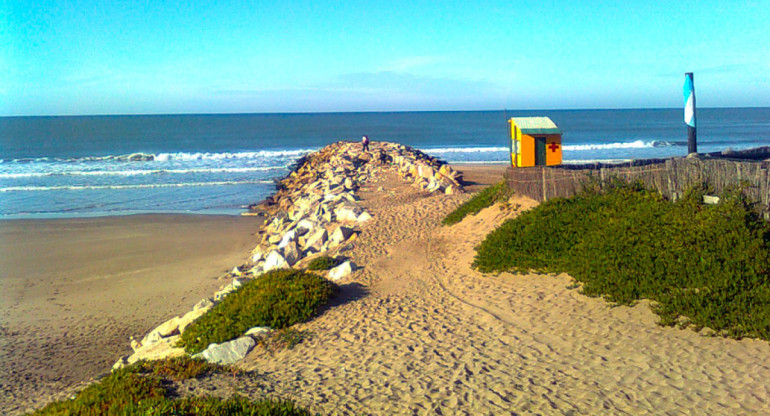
(191, 316)
(316, 241)
(256, 255)
(287, 238)
(347, 212)
(164, 330)
(274, 261)
(340, 235)
(340, 271)
(306, 226)
(203, 304)
(227, 352)
(164, 348)
(258, 331)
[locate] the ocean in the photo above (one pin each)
(86, 166)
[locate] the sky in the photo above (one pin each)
(165, 57)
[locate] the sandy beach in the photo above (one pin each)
(72, 291)
(415, 330)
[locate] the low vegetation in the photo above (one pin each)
(142, 389)
(703, 265)
(286, 338)
(179, 368)
(278, 299)
(486, 198)
(322, 263)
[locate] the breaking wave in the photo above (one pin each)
(180, 156)
(465, 150)
(138, 172)
(637, 144)
(143, 186)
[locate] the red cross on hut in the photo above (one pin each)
(535, 141)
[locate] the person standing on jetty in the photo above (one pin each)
(365, 143)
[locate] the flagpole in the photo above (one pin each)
(689, 113)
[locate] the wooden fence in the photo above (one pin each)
(671, 177)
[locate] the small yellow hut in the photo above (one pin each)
(535, 141)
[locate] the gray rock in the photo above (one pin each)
(227, 352)
(291, 253)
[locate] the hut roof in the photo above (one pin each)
(536, 125)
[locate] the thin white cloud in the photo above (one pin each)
(410, 63)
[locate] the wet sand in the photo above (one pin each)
(72, 291)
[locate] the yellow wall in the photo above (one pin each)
(553, 156)
(526, 148)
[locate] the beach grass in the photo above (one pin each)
(143, 389)
(702, 265)
(498, 192)
(278, 299)
(322, 263)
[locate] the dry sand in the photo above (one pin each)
(417, 331)
(72, 291)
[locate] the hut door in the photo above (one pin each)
(539, 151)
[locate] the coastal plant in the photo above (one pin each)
(179, 368)
(286, 338)
(483, 199)
(143, 389)
(703, 265)
(322, 263)
(278, 299)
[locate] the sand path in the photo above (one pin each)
(419, 332)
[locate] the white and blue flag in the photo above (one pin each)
(689, 100)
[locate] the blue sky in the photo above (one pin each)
(146, 57)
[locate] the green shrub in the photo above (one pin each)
(179, 368)
(121, 390)
(322, 263)
(707, 263)
(486, 198)
(277, 299)
(141, 390)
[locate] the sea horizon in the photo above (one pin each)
(372, 111)
(96, 165)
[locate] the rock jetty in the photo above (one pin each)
(314, 212)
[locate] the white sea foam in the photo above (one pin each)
(182, 156)
(143, 186)
(465, 150)
(137, 172)
(263, 154)
(637, 144)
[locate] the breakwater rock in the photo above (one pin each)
(314, 212)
